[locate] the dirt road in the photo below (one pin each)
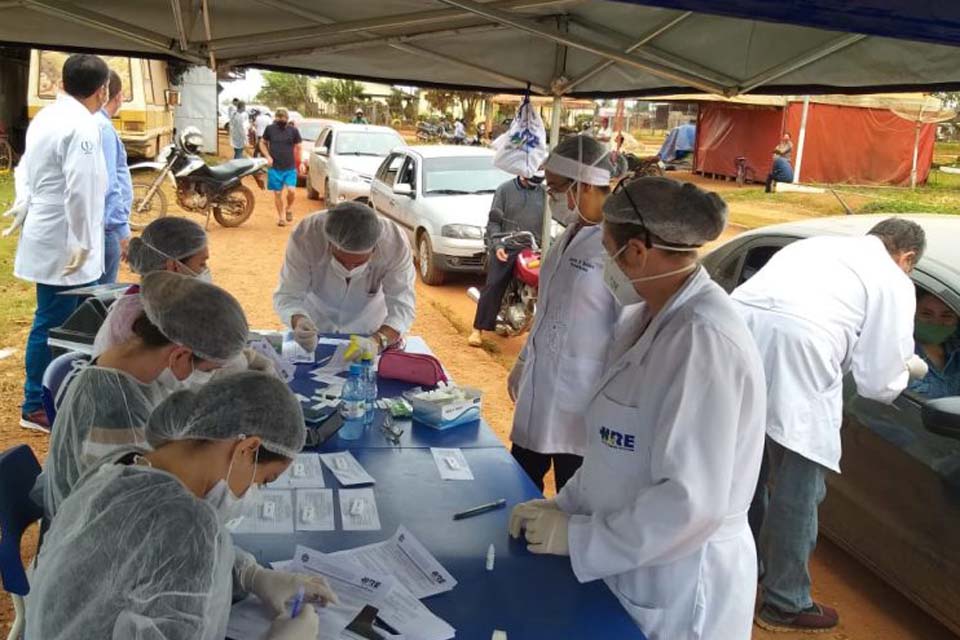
(247, 260)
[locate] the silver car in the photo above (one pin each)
(344, 159)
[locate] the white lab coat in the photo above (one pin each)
(564, 355)
(383, 294)
(674, 443)
(64, 178)
(820, 308)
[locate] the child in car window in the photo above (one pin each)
(939, 344)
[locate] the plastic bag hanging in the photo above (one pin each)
(522, 149)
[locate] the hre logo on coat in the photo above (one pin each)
(617, 440)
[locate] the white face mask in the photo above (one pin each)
(345, 273)
(228, 505)
(168, 382)
(561, 210)
(197, 378)
(620, 284)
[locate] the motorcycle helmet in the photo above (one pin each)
(191, 140)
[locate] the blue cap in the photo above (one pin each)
(356, 369)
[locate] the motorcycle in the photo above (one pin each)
(427, 132)
(199, 188)
(519, 303)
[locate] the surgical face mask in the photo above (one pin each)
(345, 273)
(620, 284)
(225, 502)
(205, 275)
(168, 382)
(197, 378)
(928, 333)
(571, 213)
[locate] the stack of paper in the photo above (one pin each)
(377, 580)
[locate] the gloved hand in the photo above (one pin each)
(917, 367)
(256, 361)
(360, 345)
(304, 627)
(76, 261)
(547, 532)
(527, 511)
(305, 333)
(513, 380)
(277, 588)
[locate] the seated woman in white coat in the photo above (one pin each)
(347, 270)
(563, 357)
(674, 431)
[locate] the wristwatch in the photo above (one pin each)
(382, 340)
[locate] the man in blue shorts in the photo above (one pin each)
(280, 145)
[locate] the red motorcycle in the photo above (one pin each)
(519, 302)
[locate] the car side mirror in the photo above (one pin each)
(942, 417)
(403, 189)
(321, 151)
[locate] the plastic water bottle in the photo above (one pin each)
(353, 405)
(370, 387)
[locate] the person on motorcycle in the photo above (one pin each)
(459, 132)
(563, 358)
(358, 117)
(517, 206)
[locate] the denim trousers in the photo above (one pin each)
(52, 311)
(783, 516)
(111, 256)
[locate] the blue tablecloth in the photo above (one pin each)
(528, 596)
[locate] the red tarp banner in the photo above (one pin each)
(856, 145)
(725, 131)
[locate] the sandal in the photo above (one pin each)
(281, 223)
(289, 217)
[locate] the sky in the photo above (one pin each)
(245, 89)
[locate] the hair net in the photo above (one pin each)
(679, 213)
(249, 404)
(196, 314)
(352, 227)
(167, 238)
(103, 410)
(132, 554)
(582, 159)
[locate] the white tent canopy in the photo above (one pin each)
(577, 47)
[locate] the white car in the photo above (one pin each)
(344, 159)
(441, 196)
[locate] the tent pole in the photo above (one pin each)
(802, 137)
(554, 139)
(916, 152)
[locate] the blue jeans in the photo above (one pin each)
(111, 256)
(789, 531)
(52, 311)
(237, 153)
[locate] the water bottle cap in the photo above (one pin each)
(355, 369)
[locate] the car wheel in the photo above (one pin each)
(428, 263)
(312, 193)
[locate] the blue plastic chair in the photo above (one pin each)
(57, 377)
(18, 473)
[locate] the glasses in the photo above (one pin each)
(621, 186)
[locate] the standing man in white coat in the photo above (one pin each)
(818, 309)
(674, 431)
(347, 270)
(63, 177)
(563, 357)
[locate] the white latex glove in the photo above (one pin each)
(76, 261)
(513, 380)
(917, 367)
(527, 511)
(305, 626)
(19, 213)
(364, 345)
(256, 361)
(547, 533)
(305, 333)
(277, 588)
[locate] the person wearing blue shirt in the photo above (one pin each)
(119, 197)
(939, 344)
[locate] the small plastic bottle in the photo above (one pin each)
(370, 387)
(353, 405)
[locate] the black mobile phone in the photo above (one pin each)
(322, 429)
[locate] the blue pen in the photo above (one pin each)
(297, 603)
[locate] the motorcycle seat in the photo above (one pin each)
(231, 168)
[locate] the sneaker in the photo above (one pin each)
(817, 618)
(475, 339)
(35, 420)
(289, 217)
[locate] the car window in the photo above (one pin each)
(408, 174)
(937, 340)
(392, 167)
(367, 143)
(327, 139)
(462, 175)
(755, 259)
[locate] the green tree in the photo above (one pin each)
(444, 101)
(403, 105)
(345, 95)
(288, 90)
